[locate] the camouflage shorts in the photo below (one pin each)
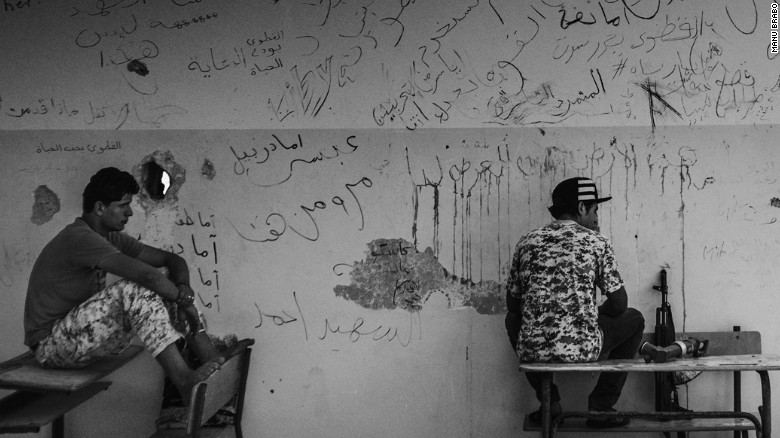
(106, 323)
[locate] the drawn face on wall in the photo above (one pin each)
(588, 217)
(114, 216)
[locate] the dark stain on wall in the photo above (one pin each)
(45, 206)
(138, 67)
(207, 170)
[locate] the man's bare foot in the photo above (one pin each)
(198, 375)
(186, 378)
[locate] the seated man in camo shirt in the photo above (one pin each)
(554, 314)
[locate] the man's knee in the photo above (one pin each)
(636, 318)
(132, 292)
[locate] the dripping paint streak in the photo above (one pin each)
(508, 215)
(682, 236)
(498, 220)
(436, 242)
(463, 226)
(415, 198)
(481, 226)
(416, 207)
(454, 222)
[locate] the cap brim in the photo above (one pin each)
(600, 200)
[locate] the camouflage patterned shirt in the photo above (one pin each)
(554, 275)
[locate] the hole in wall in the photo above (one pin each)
(160, 178)
(156, 180)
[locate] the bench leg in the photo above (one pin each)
(766, 404)
(546, 414)
(58, 427)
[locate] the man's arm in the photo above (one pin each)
(178, 270)
(143, 270)
(512, 319)
(512, 303)
(616, 303)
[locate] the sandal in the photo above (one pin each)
(607, 421)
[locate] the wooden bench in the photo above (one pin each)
(727, 351)
(44, 396)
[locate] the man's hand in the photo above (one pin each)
(186, 295)
(186, 308)
(190, 314)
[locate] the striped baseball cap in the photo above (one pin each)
(574, 190)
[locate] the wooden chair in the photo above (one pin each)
(212, 394)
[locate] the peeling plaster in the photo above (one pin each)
(45, 206)
(396, 275)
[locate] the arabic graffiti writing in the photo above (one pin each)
(110, 145)
(257, 55)
(201, 245)
(41, 107)
(249, 159)
(87, 38)
(183, 23)
(471, 210)
(276, 224)
(93, 114)
(402, 64)
(103, 9)
(641, 10)
(359, 329)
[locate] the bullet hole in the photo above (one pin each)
(136, 66)
(157, 181)
(774, 202)
(272, 391)
(45, 206)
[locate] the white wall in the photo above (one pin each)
(347, 348)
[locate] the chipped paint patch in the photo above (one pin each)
(775, 202)
(207, 170)
(45, 206)
(395, 274)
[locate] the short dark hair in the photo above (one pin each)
(108, 185)
(557, 211)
